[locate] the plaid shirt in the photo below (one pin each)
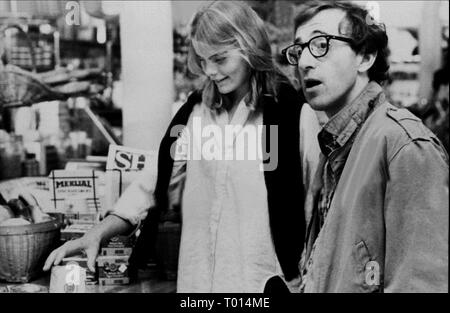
(335, 141)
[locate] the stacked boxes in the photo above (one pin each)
(82, 218)
(113, 261)
(113, 270)
(74, 231)
(78, 225)
(116, 251)
(118, 245)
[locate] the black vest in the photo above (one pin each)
(285, 194)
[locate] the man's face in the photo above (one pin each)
(329, 82)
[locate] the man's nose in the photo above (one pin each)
(306, 60)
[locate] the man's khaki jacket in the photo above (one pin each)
(387, 226)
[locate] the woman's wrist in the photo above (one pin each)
(111, 226)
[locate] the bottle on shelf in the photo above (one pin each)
(30, 166)
(11, 156)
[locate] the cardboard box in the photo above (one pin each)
(113, 281)
(85, 219)
(113, 273)
(67, 235)
(81, 261)
(112, 266)
(116, 251)
(120, 242)
(75, 231)
(82, 219)
(78, 191)
(68, 278)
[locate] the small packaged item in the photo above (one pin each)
(113, 270)
(76, 191)
(74, 231)
(120, 242)
(116, 251)
(25, 288)
(69, 278)
(80, 260)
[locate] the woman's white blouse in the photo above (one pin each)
(226, 245)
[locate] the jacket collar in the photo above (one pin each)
(340, 128)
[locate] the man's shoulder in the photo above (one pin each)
(398, 127)
(399, 123)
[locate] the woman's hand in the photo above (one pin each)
(109, 227)
(88, 244)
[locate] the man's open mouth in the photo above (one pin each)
(311, 83)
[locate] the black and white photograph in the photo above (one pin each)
(230, 153)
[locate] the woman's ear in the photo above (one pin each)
(367, 61)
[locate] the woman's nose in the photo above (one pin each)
(210, 69)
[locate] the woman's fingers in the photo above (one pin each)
(90, 247)
(50, 260)
(91, 254)
(60, 253)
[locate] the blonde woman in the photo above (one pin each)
(242, 216)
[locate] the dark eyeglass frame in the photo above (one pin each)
(308, 44)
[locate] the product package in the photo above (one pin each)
(120, 241)
(81, 261)
(69, 278)
(116, 251)
(76, 192)
(118, 245)
(113, 270)
(37, 186)
(75, 231)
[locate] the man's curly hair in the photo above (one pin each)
(368, 35)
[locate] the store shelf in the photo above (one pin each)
(87, 44)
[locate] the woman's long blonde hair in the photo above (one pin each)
(236, 25)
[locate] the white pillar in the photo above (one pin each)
(429, 46)
(147, 72)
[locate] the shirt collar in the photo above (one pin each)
(340, 128)
(221, 116)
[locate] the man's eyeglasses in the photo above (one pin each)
(318, 46)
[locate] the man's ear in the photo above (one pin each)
(367, 61)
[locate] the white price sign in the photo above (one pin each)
(129, 159)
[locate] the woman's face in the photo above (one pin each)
(227, 69)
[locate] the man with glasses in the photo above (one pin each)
(378, 219)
